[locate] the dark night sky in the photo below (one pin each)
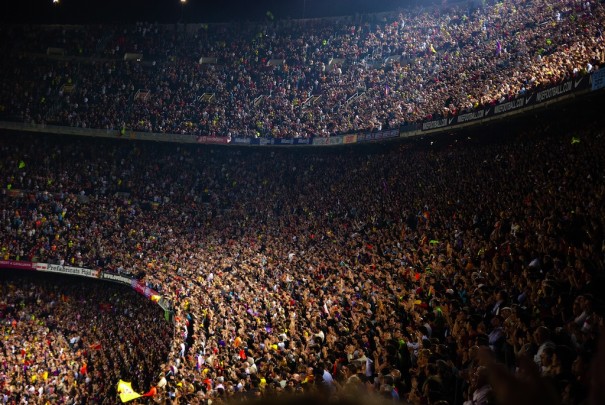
(169, 11)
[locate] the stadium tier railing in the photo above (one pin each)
(135, 284)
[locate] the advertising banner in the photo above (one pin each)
(214, 140)
(240, 141)
(509, 106)
(16, 264)
(349, 139)
(555, 91)
(363, 137)
(582, 83)
(472, 116)
(117, 278)
(75, 271)
(440, 123)
(261, 141)
(377, 136)
(40, 266)
(335, 140)
(598, 79)
(143, 289)
(392, 133)
(320, 141)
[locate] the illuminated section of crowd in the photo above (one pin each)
(71, 341)
(402, 269)
(290, 78)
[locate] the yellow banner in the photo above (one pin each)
(126, 392)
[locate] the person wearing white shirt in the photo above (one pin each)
(482, 389)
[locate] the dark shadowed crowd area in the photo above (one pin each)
(459, 269)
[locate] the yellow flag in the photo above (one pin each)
(126, 392)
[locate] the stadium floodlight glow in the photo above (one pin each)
(183, 2)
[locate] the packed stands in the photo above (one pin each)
(296, 79)
(458, 269)
(71, 342)
(428, 270)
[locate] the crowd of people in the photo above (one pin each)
(70, 342)
(289, 78)
(414, 270)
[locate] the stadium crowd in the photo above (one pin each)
(69, 343)
(406, 270)
(291, 78)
